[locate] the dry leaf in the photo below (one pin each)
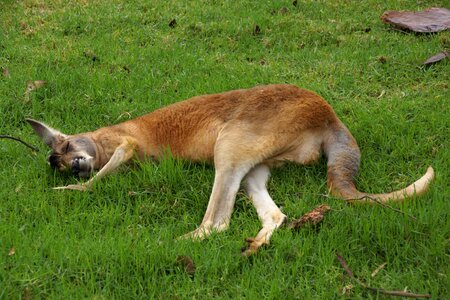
(127, 114)
(133, 193)
(347, 289)
(30, 87)
(435, 58)
(12, 251)
(381, 94)
(382, 59)
(284, 10)
(34, 85)
(5, 72)
(430, 20)
(39, 83)
(173, 23)
(380, 267)
(187, 263)
(256, 30)
(26, 294)
(314, 217)
(91, 55)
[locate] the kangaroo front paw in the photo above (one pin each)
(198, 234)
(77, 187)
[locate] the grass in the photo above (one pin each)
(105, 61)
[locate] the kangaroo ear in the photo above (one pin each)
(51, 137)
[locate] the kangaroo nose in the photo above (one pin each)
(76, 165)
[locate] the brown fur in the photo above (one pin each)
(241, 132)
(191, 128)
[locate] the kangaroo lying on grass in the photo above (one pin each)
(243, 133)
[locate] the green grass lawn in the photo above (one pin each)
(107, 61)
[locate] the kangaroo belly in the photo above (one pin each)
(305, 149)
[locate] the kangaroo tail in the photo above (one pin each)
(343, 162)
(419, 187)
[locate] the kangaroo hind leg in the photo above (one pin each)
(232, 162)
(221, 202)
(268, 212)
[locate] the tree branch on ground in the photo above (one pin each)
(350, 274)
(19, 140)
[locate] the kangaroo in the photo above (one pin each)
(243, 133)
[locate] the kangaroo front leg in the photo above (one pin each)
(268, 212)
(221, 202)
(122, 154)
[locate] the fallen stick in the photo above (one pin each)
(19, 140)
(384, 205)
(349, 272)
(371, 199)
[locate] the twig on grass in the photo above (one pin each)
(371, 199)
(380, 267)
(349, 272)
(384, 205)
(19, 140)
